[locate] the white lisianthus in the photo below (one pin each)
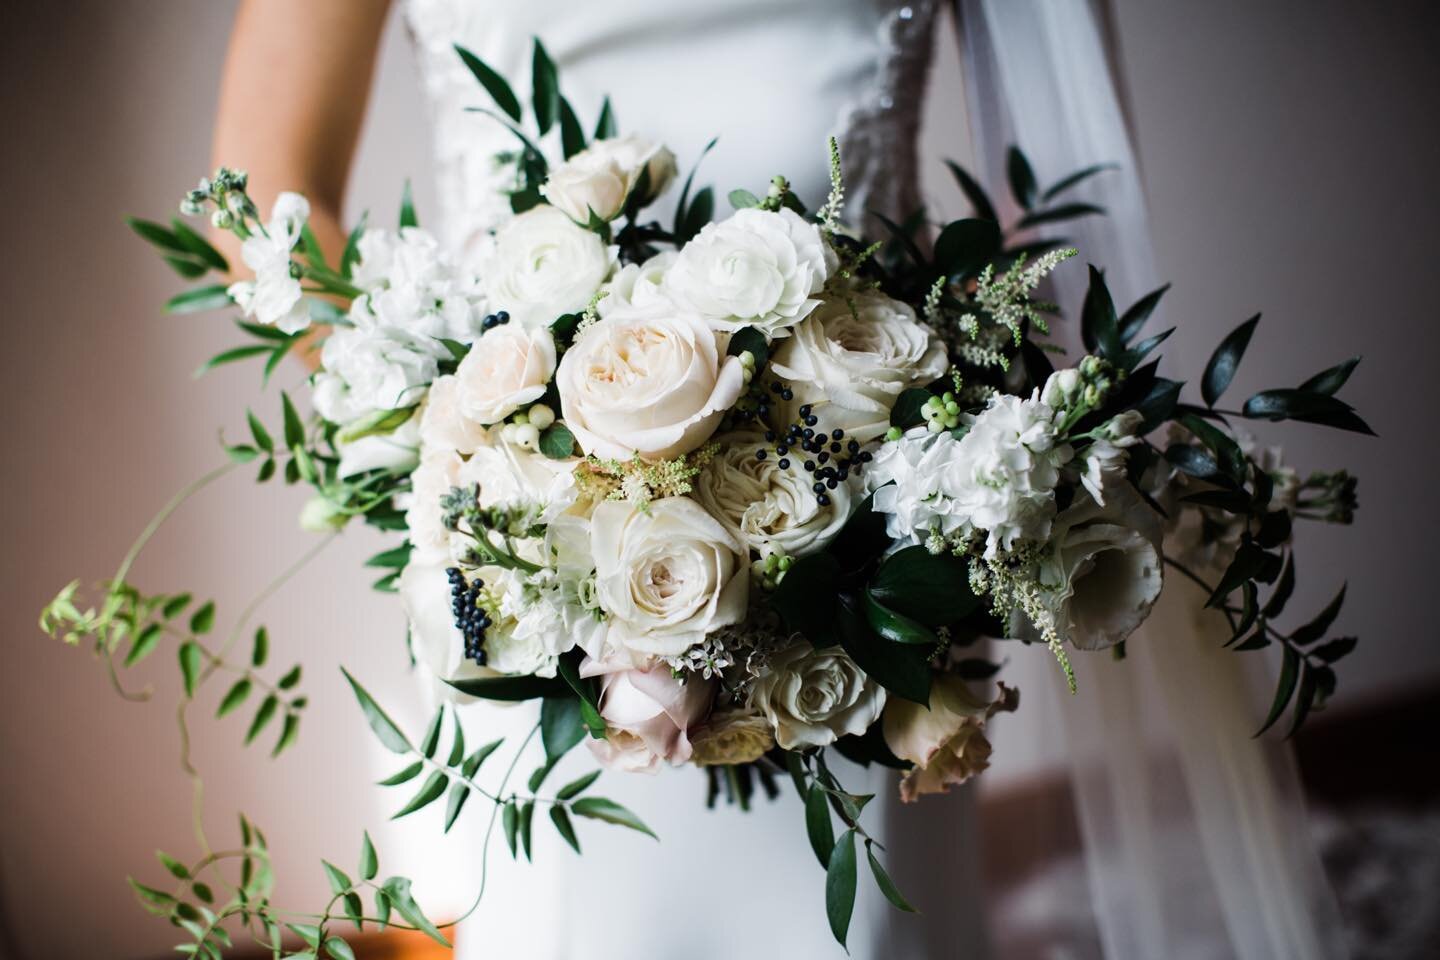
(1102, 572)
(442, 425)
(850, 366)
(734, 736)
(666, 575)
(998, 480)
(813, 697)
(599, 179)
(945, 741)
(650, 381)
(274, 297)
(505, 369)
(543, 266)
(759, 268)
(1105, 457)
(769, 509)
(437, 643)
(637, 284)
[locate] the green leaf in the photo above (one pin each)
(291, 678)
(966, 246)
(1022, 178)
(572, 137)
(379, 721)
(382, 907)
(1335, 649)
(1328, 382)
(459, 793)
(933, 589)
(895, 627)
(407, 207)
(395, 558)
(431, 740)
(428, 794)
(605, 126)
(457, 743)
(1134, 319)
(743, 199)
(510, 819)
(817, 575)
(191, 660)
(538, 775)
(289, 730)
(234, 696)
(144, 644)
(339, 949)
(263, 715)
(156, 235)
(308, 932)
(578, 786)
(260, 651)
(840, 886)
(351, 254)
(1079, 176)
(560, 726)
(1225, 361)
(902, 669)
(203, 892)
(979, 201)
(1281, 595)
(557, 442)
(975, 668)
(1066, 211)
(519, 687)
(203, 619)
(599, 808)
(177, 869)
(294, 427)
(561, 819)
(886, 885)
(527, 817)
(700, 212)
(752, 341)
(818, 825)
(232, 355)
(1318, 627)
(906, 412)
(258, 431)
(1099, 326)
(175, 605)
(406, 774)
(187, 266)
(493, 83)
(1288, 404)
(546, 85)
(473, 762)
(398, 891)
(369, 863)
(1284, 687)
(339, 882)
(211, 297)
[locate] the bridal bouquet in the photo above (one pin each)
(729, 492)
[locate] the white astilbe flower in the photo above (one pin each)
(999, 480)
(274, 296)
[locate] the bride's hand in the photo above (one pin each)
(292, 99)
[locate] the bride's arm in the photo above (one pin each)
(292, 98)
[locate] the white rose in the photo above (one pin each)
(650, 381)
(666, 575)
(505, 369)
(439, 470)
(442, 425)
(850, 367)
(734, 736)
(543, 266)
(814, 697)
(1103, 572)
(599, 179)
(756, 269)
(637, 284)
(275, 297)
(769, 509)
(648, 713)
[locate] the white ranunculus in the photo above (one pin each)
(442, 425)
(274, 296)
(813, 697)
(998, 480)
(850, 366)
(666, 575)
(769, 509)
(505, 369)
(1103, 570)
(637, 284)
(758, 269)
(543, 266)
(436, 642)
(650, 381)
(599, 179)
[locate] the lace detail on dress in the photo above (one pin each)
(880, 136)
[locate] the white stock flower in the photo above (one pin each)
(637, 284)
(666, 575)
(999, 479)
(757, 268)
(650, 381)
(413, 289)
(813, 697)
(397, 450)
(364, 369)
(1106, 456)
(274, 296)
(505, 369)
(1102, 572)
(769, 509)
(599, 179)
(851, 366)
(542, 266)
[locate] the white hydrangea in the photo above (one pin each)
(999, 480)
(274, 296)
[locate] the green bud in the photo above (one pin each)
(894, 433)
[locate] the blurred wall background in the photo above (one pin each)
(1289, 152)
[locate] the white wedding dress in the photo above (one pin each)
(773, 79)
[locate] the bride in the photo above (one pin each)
(772, 79)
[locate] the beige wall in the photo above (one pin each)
(1289, 152)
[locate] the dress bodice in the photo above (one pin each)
(772, 79)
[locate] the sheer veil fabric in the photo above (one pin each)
(774, 78)
(1194, 832)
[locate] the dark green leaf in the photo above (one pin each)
(379, 721)
(895, 627)
(457, 743)
(522, 687)
(258, 431)
(538, 775)
(752, 341)
(1304, 700)
(599, 808)
(561, 819)
(979, 201)
(901, 669)
(1304, 406)
(429, 793)
(261, 649)
(201, 298)
(262, 717)
(407, 207)
(459, 793)
(473, 762)
(203, 619)
(1066, 211)
(431, 740)
(1225, 361)
(1281, 595)
(886, 885)
(289, 730)
(1318, 627)
(144, 644)
(351, 255)
(578, 786)
(294, 427)
(546, 86)
(1099, 327)
(1135, 318)
(572, 137)
(1228, 454)
(818, 825)
(407, 774)
(191, 660)
(560, 726)
(605, 126)
(966, 246)
(177, 869)
(291, 678)
(1335, 649)
(510, 819)
(557, 442)
(1284, 687)
(933, 589)
(1329, 381)
(1079, 176)
(156, 235)
(527, 819)
(203, 892)
(682, 207)
(1197, 463)
(187, 266)
(234, 696)
(840, 886)
(702, 209)
(175, 605)
(1249, 562)
(369, 863)
(809, 577)
(906, 412)
(1022, 184)
(493, 83)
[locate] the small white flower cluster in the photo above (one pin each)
(274, 297)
